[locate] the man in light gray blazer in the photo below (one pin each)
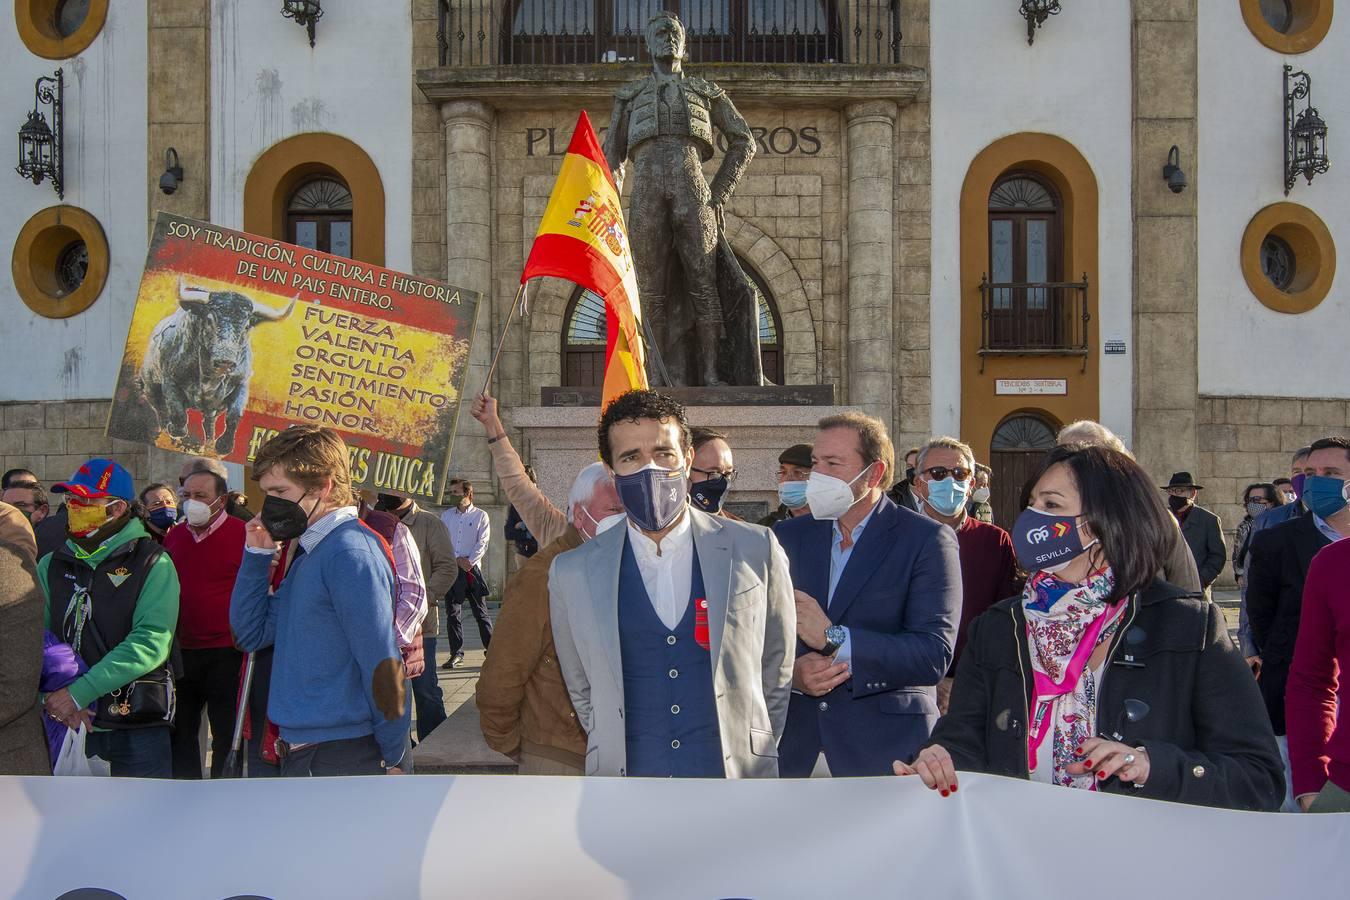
(675, 630)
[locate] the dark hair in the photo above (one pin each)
(236, 504)
(39, 495)
(157, 486)
(1122, 508)
(698, 436)
(1327, 443)
(531, 474)
(222, 488)
(981, 467)
(633, 406)
(1301, 453)
(1279, 481)
(12, 476)
(1273, 494)
(462, 482)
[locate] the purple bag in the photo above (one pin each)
(61, 665)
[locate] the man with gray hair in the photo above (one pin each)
(1180, 568)
(523, 705)
(943, 480)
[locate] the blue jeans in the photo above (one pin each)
(133, 752)
(426, 691)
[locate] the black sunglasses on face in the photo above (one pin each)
(939, 473)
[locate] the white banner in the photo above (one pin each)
(472, 837)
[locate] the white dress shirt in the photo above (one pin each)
(469, 531)
(666, 575)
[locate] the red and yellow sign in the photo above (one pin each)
(235, 337)
(582, 238)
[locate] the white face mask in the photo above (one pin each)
(603, 525)
(197, 513)
(830, 497)
(980, 495)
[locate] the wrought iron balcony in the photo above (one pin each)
(1034, 319)
(562, 32)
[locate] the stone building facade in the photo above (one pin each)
(927, 183)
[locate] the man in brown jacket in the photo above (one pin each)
(523, 705)
(439, 570)
(23, 742)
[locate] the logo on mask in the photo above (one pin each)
(1038, 535)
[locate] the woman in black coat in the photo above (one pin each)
(1100, 677)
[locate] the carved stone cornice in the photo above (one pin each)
(564, 86)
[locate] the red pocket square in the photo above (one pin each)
(701, 623)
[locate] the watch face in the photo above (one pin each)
(834, 634)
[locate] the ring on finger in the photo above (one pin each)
(1129, 758)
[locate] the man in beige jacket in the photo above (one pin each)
(23, 743)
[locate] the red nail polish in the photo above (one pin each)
(953, 789)
(1101, 775)
(944, 793)
(1088, 763)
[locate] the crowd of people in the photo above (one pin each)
(870, 624)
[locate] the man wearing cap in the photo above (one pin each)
(112, 594)
(1200, 527)
(794, 468)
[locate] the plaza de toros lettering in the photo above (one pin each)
(785, 140)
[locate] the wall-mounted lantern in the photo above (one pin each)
(42, 147)
(1172, 174)
(1036, 12)
(304, 12)
(1305, 135)
(173, 172)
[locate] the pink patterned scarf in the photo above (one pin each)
(1065, 623)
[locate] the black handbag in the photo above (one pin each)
(149, 700)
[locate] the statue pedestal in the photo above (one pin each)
(560, 441)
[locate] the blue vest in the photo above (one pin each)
(670, 714)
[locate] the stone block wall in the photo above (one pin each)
(53, 438)
(1247, 439)
(913, 215)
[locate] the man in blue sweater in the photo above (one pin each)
(337, 677)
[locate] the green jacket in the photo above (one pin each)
(152, 627)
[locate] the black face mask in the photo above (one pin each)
(909, 474)
(1177, 504)
(388, 502)
(285, 520)
(709, 495)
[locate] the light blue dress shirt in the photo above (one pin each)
(839, 556)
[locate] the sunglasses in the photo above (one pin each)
(940, 473)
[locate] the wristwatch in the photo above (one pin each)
(834, 639)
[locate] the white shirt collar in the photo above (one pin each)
(324, 527)
(674, 541)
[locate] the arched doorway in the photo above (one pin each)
(1019, 444)
(319, 216)
(583, 337)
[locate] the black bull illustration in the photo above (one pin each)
(199, 358)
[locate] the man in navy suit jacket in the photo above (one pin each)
(878, 592)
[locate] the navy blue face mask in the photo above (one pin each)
(652, 496)
(1045, 542)
(163, 518)
(711, 494)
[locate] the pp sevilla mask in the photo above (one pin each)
(652, 496)
(709, 495)
(1045, 542)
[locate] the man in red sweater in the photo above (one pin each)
(943, 481)
(206, 548)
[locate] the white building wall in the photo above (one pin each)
(105, 172)
(267, 84)
(1074, 82)
(1246, 348)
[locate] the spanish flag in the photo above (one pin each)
(582, 239)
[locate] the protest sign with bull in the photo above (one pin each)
(235, 337)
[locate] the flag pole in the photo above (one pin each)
(487, 382)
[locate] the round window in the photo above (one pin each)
(1288, 258)
(71, 266)
(1279, 14)
(59, 29)
(1288, 26)
(1277, 261)
(70, 15)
